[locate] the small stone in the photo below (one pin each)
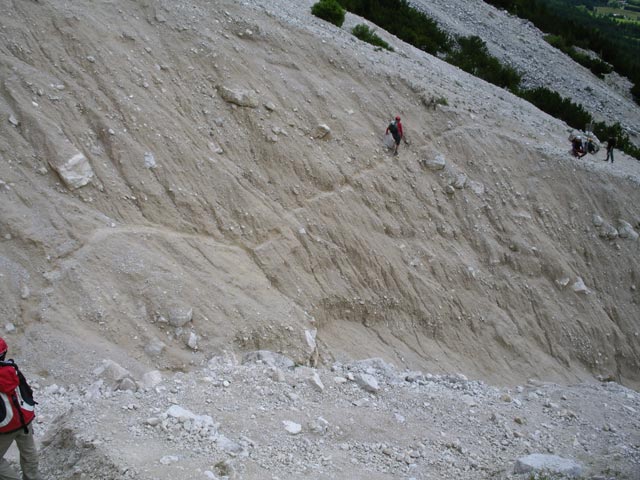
(9, 328)
(91, 59)
(14, 121)
(169, 459)
(367, 382)
(128, 384)
(270, 106)
(149, 160)
(152, 421)
(192, 341)
(579, 286)
(180, 316)
(292, 427)
(315, 382)
(321, 131)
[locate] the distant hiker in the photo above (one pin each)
(395, 128)
(16, 415)
(611, 144)
(578, 148)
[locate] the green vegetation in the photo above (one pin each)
(579, 24)
(553, 104)
(329, 10)
(597, 66)
(368, 35)
(404, 21)
(472, 56)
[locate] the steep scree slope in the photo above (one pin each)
(207, 225)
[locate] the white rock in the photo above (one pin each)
(579, 286)
(460, 181)
(435, 163)
(127, 384)
(112, 373)
(76, 172)
(169, 459)
(192, 341)
(321, 131)
(310, 337)
(292, 427)
(151, 379)
(155, 347)
(149, 160)
(228, 445)
(315, 382)
(14, 121)
(597, 220)
(477, 187)
(152, 421)
(539, 463)
(367, 382)
(9, 328)
(242, 98)
(625, 230)
(180, 316)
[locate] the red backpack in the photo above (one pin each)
(16, 399)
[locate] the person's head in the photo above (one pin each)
(3, 348)
(397, 119)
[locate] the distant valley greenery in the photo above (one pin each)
(471, 55)
(584, 23)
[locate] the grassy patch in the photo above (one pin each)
(368, 35)
(329, 10)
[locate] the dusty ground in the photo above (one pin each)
(206, 226)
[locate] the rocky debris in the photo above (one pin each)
(541, 463)
(321, 131)
(14, 121)
(271, 359)
(240, 97)
(626, 230)
(151, 379)
(420, 422)
(115, 376)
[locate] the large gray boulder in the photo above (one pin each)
(538, 462)
(242, 98)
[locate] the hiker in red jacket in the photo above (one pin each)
(395, 128)
(16, 415)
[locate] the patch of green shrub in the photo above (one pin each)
(366, 34)
(552, 103)
(329, 10)
(473, 57)
(405, 22)
(604, 131)
(597, 66)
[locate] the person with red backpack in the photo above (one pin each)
(16, 414)
(395, 128)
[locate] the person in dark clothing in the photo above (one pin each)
(395, 128)
(611, 144)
